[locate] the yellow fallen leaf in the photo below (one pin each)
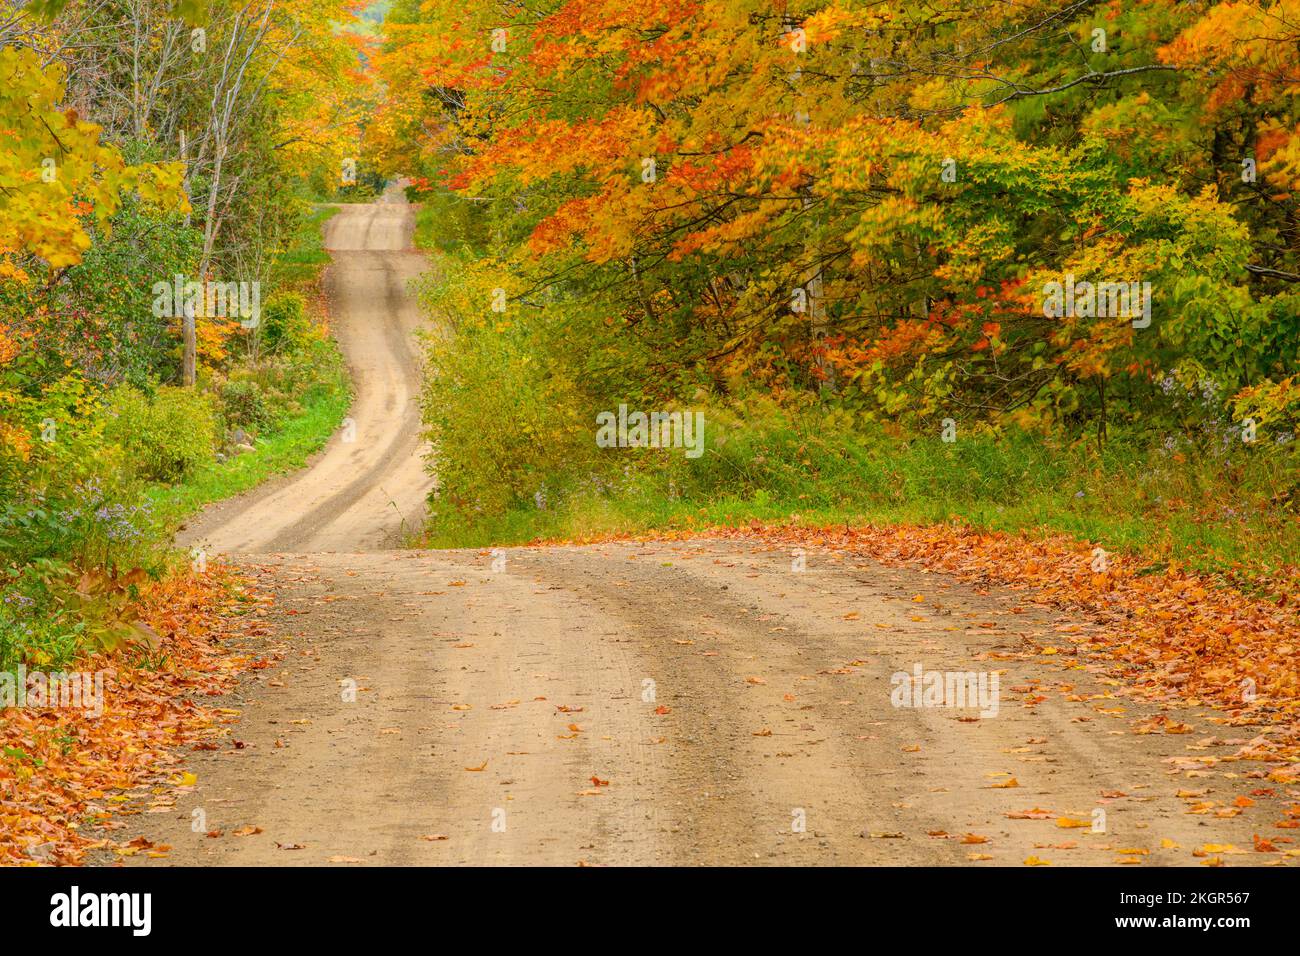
(1067, 823)
(1210, 849)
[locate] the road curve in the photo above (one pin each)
(366, 490)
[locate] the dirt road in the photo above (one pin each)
(366, 489)
(709, 701)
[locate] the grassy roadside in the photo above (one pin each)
(445, 225)
(287, 449)
(300, 265)
(1194, 511)
(426, 228)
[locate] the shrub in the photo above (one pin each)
(165, 438)
(244, 405)
(286, 327)
(501, 421)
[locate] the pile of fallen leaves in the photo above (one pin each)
(64, 771)
(1171, 635)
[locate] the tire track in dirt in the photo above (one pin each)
(488, 700)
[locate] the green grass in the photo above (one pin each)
(426, 228)
(302, 261)
(1213, 514)
(324, 404)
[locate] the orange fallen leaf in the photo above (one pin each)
(1036, 813)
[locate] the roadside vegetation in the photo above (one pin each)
(105, 445)
(871, 258)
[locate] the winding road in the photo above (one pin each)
(707, 701)
(366, 490)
